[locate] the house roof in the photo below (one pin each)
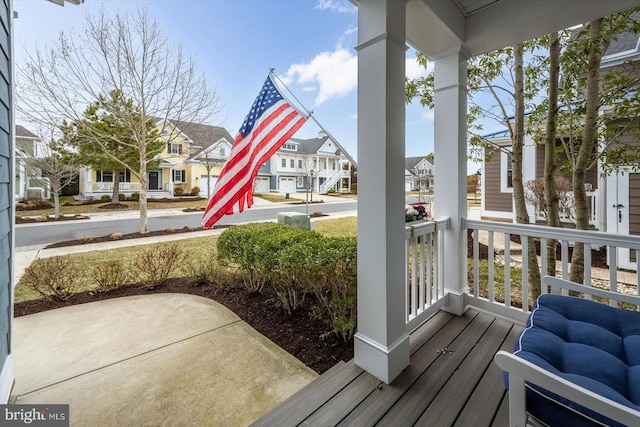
(202, 135)
(311, 146)
(23, 132)
(412, 162)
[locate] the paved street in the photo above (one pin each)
(36, 236)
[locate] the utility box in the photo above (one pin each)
(296, 219)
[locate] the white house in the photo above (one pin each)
(317, 161)
(418, 170)
(28, 182)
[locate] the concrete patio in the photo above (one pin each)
(164, 359)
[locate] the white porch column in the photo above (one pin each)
(381, 344)
(450, 149)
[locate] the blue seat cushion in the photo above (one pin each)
(590, 344)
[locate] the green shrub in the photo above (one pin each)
(55, 278)
(110, 276)
(327, 267)
(268, 251)
(135, 196)
(237, 247)
(121, 196)
(156, 264)
(105, 198)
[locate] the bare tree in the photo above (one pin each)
(52, 165)
(209, 160)
(127, 54)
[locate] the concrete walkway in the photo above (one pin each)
(163, 359)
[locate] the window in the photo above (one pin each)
(222, 152)
(125, 176)
(299, 164)
(299, 182)
(333, 164)
(284, 163)
(102, 176)
(509, 171)
(174, 148)
(292, 163)
(178, 175)
(506, 173)
(290, 147)
(324, 164)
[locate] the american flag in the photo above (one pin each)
(271, 121)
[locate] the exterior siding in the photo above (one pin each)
(6, 194)
(634, 208)
(495, 200)
(592, 174)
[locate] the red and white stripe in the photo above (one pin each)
(234, 188)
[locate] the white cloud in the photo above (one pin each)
(353, 116)
(350, 30)
(335, 73)
(340, 6)
(424, 117)
(414, 70)
(309, 89)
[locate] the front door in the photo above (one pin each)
(623, 196)
(154, 180)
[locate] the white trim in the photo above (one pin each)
(503, 173)
(6, 380)
(498, 214)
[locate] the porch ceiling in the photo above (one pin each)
(437, 26)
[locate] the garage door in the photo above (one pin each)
(207, 183)
(287, 185)
(261, 185)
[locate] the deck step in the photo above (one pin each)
(299, 406)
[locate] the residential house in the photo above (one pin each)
(418, 174)
(611, 197)
(317, 162)
(28, 183)
(193, 157)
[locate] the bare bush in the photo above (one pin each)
(534, 195)
(110, 276)
(156, 264)
(55, 279)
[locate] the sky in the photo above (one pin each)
(310, 43)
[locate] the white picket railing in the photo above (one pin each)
(333, 179)
(497, 297)
(425, 284)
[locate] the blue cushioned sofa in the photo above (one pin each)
(577, 362)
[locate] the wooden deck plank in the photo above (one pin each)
(502, 416)
(427, 387)
(425, 332)
(298, 407)
(482, 407)
(446, 406)
(377, 404)
(343, 403)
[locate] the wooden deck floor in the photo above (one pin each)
(459, 386)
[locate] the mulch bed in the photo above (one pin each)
(128, 236)
(298, 334)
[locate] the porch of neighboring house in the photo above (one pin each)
(93, 185)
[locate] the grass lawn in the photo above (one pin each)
(198, 251)
(276, 197)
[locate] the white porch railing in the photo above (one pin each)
(107, 187)
(499, 297)
(424, 253)
(332, 180)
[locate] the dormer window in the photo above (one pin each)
(222, 152)
(174, 148)
(290, 147)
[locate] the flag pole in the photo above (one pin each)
(272, 71)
